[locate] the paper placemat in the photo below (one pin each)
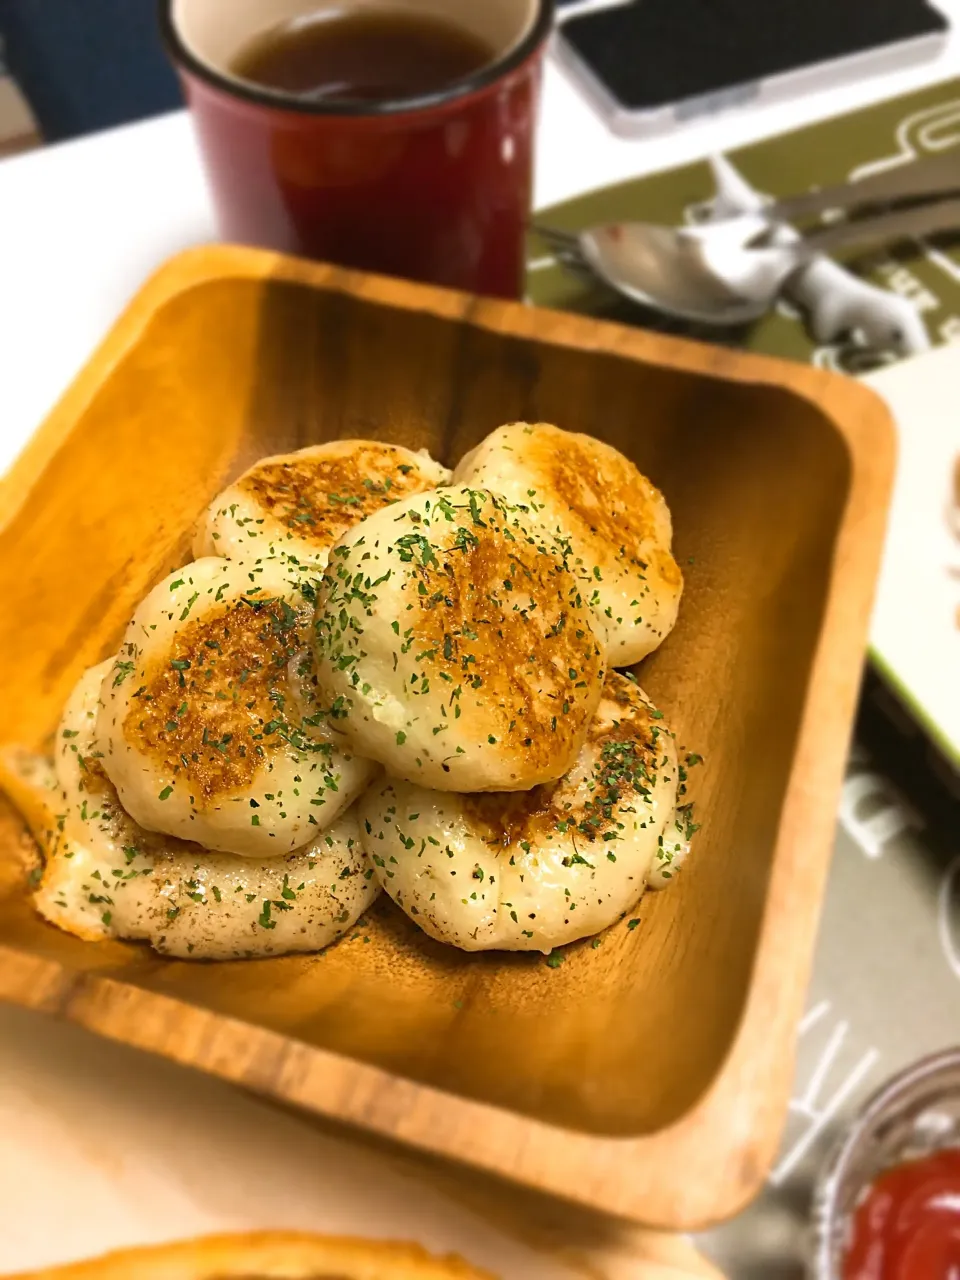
(879, 137)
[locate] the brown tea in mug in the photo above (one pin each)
(365, 54)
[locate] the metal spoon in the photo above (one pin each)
(718, 273)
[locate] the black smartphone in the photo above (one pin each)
(648, 64)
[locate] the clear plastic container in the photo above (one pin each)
(914, 1114)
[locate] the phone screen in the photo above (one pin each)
(648, 54)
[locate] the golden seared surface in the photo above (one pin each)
(606, 494)
(612, 523)
(326, 495)
(213, 708)
(608, 499)
(455, 647)
(500, 616)
(107, 876)
(200, 722)
(298, 504)
(625, 747)
(534, 870)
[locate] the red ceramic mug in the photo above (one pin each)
(435, 188)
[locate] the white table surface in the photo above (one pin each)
(99, 1145)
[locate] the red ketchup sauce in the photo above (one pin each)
(908, 1225)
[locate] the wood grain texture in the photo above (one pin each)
(647, 1077)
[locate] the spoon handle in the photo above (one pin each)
(934, 175)
(944, 215)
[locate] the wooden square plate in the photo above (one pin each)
(647, 1077)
